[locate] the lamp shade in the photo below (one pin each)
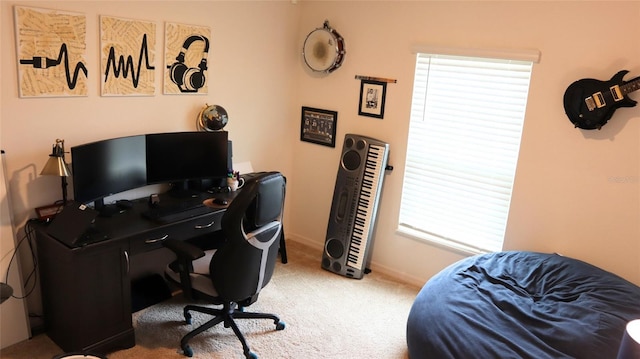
(55, 166)
(630, 344)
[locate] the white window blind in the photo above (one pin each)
(464, 138)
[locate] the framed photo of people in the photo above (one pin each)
(318, 126)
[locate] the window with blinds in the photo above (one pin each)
(466, 122)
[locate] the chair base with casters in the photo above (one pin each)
(190, 257)
(227, 316)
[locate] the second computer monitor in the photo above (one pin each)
(183, 156)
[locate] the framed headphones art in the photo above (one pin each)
(186, 53)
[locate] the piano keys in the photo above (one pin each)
(351, 226)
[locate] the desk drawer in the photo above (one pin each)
(190, 228)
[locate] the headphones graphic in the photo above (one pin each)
(189, 79)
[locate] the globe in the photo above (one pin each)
(212, 118)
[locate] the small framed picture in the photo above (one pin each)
(47, 212)
(372, 94)
(318, 126)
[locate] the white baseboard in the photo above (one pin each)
(385, 270)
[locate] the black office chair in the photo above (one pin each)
(234, 274)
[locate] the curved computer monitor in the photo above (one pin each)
(104, 168)
(178, 157)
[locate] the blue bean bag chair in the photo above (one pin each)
(521, 305)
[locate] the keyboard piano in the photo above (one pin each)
(354, 209)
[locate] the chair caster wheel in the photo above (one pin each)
(187, 351)
(280, 325)
(251, 355)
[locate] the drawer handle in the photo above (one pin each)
(203, 226)
(151, 241)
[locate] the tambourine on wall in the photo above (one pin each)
(324, 49)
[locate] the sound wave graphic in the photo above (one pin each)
(40, 62)
(128, 67)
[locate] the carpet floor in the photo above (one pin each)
(326, 316)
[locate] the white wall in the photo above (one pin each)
(576, 191)
(13, 312)
(567, 195)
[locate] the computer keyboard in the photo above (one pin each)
(176, 211)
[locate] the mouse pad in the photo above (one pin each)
(69, 225)
(211, 202)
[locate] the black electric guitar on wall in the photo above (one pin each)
(590, 103)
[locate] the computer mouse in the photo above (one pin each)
(220, 201)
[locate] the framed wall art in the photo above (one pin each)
(51, 48)
(318, 126)
(372, 96)
(186, 53)
(127, 56)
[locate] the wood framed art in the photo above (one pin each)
(186, 55)
(318, 126)
(372, 96)
(52, 51)
(127, 49)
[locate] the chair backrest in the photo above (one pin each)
(252, 225)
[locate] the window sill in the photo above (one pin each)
(451, 246)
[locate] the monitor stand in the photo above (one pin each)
(182, 190)
(105, 210)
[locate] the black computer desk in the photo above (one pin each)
(86, 291)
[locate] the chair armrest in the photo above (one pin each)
(183, 249)
(186, 253)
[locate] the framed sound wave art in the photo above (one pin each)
(186, 52)
(127, 57)
(51, 50)
(318, 126)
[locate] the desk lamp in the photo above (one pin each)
(56, 166)
(630, 345)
